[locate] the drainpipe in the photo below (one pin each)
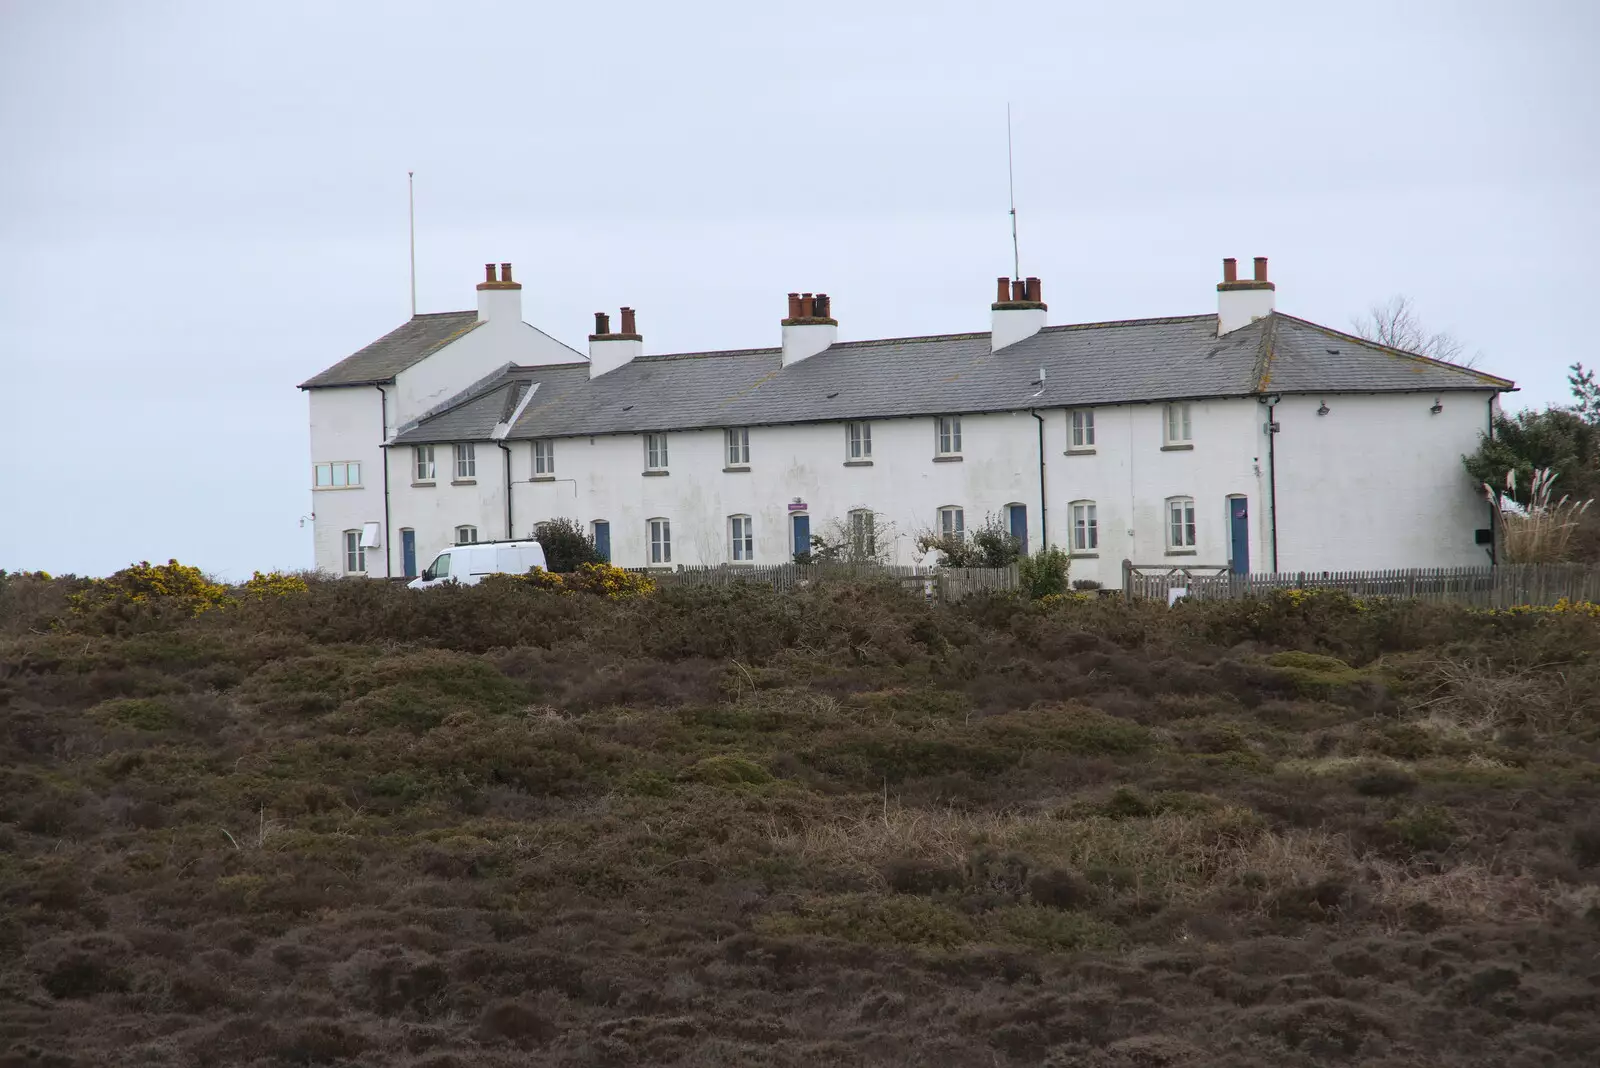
(1044, 525)
(383, 451)
(1494, 520)
(506, 452)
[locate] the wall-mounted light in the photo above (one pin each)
(1437, 406)
(1324, 409)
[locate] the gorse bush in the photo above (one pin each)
(566, 545)
(602, 580)
(273, 584)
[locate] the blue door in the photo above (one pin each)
(602, 539)
(802, 534)
(1019, 525)
(408, 551)
(1239, 518)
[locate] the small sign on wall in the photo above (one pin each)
(797, 505)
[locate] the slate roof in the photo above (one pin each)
(1134, 361)
(392, 353)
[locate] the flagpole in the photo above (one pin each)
(411, 213)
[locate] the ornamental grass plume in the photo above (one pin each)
(1542, 532)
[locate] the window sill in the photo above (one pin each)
(1080, 452)
(659, 568)
(858, 463)
(947, 459)
(542, 478)
(463, 482)
(736, 469)
(424, 485)
(1183, 552)
(1178, 448)
(657, 474)
(740, 564)
(332, 489)
(1083, 556)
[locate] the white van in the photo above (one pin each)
(467, 564)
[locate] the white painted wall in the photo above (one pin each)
(1378, 482)
(467, 359)
(1339, 514)
(345, 425)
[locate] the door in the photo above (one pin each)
(1239, 525)
(408, 552)
(1019, 526)
(802, 534)
(602, 539)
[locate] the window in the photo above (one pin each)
(863, 534)
(858, 441)
(1178, 428)
(466, 461)
(544, 457)
(660, 541)
(441, 567)
(466, 535)
(425, 471)
(655, 453)
(355, 554)
(738, 447)
(741, 538)
(949, 435)
(1085, 527)
(1082, 429)
(338, 476)
(1180, 523)
(952, 522)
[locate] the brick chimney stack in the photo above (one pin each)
(499, 298)
(1242, 303)
(809, 327)
(608, 351)
(1018, 312)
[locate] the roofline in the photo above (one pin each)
(307, 384)
(1063, 406)
(1502, 384)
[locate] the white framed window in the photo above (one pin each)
(467, 460)
(953, 522)
(424, 463)
(858, 441)
(1082, 429)
(1085, 527)
(355, 554)
(655, 453)
(741, 538)
(341, 475)
(660, 541)
(738, 440)
(466, 535)
(544, 457)
(863, 533)
(949, 442)
(1180, 523)
(1179, 429)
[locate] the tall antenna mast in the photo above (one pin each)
(1011, 181)
(411, 214)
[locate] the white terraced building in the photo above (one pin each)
(1242, 436)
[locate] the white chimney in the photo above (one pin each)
(499, 299)
(1242, 303)
(1018, 312)
(809, 328)
(608, 351)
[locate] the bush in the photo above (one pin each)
(566, 546)
(991, 545)
(602, 580)
(1044, 574)
(144, 593)
(273, 584)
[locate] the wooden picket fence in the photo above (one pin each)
(1506, 586)
(940, 584)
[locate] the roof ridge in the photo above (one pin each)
(1159, 320)
(434, 315)
(707, 353)
(1391, 350)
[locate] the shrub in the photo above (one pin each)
(147, 591)
(991, 545)
(273, 584)
(1044, 574)
(566, 545)
(601, 580)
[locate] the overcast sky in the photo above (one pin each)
(202, 204)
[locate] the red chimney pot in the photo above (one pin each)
(628, 325)
(1230, 269)
(1002, 290)
(602, 323)
(1033, 291)
(1261, 268)
(488, 272)
(505, 272)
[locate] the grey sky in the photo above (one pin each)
(202, 204)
